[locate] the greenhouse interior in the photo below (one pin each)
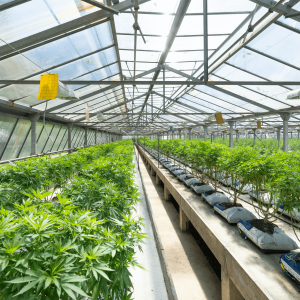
(150, 149)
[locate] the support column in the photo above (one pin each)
(189, 132)
(205, 127)
(231, 133)
(152, 171)
(166, 194)
(183, 220)
(223, 136)
(85, 136)
(298, 133)
(95, 137)
(157, 179)
(69, 125)
(285, 117)
(228, 289)
(254, 135)
(180, 133)
(33, 119)
(237, 135)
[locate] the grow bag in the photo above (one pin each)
(191, 181)
(185, 177)
(214, 198)
(246, 189)
(218, 176)
(267, 242)
(295, 214)
(234, 214)
(173, 169)
(179, 172)
(263, 197)
(199, 189)
(168, 166)
(290, 264)
(226, 181)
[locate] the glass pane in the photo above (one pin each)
(17, 139)
(43, 137)
(26, 150)
(6, 126)
(52, 138)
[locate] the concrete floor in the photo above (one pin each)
(147, 284)
(192, 276)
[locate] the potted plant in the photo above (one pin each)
(266, 172)
(231, 163)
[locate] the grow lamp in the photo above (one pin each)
(100, 117)
(293, 95)
(51, 88)
(209, 118)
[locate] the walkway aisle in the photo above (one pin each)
(147, 284)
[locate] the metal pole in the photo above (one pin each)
(205, 127)
(69, 126)
(164, 90)
(278, 136)
(180, 133)
(85, 136)
(231, 123)
(237, 135)
(223, 136)
(152, 107)
(189, 130)
(285, 117)
(254, 135)
(33, 119)
(135, 26)
(158, 149)
(205, 40)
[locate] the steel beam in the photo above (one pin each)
(205, 39)
(65, 27)
(57, 66)
(181, 11)
(279, 8)
(167, 82)
(12, 4)
(102, 6)
(113, 28)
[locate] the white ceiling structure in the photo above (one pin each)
(151, 64)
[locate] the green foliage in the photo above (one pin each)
(81, 244)
(262, 164)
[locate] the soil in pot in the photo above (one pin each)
(264, 227)
(54, 199)
(227, 205)
(199, 184)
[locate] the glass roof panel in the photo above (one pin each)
(36, 15)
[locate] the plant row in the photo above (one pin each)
(272, 178)
(67, 230)
(276, 172)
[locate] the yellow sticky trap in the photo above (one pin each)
(219, 118)
(48, 87)
(258, 124)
